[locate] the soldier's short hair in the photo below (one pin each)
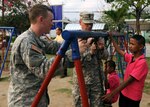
(38, 10)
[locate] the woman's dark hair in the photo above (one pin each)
(111, 63)
(59, 28)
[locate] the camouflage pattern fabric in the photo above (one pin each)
(91, 73)
(28, 68)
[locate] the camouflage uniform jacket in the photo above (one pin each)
(91, 66)
(28, 67)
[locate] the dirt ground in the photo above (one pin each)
(59, 91)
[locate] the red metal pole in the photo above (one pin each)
(83, 92)
(46, 81)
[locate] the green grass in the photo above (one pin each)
(64, 90)
(71, 82)
(6, 78)
(69, 71)
(148, 76)
(147, 88)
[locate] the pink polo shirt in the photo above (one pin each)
(114, 82)
(137, 69)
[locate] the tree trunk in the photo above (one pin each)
(138, 15)
(138, 30)
(3, 9)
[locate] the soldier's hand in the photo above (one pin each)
(89, 41)
(82, 45)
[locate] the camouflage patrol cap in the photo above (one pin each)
(87, 17)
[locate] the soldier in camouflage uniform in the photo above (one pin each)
(91, 64)
(29, 65)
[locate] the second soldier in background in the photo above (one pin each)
(91, 65)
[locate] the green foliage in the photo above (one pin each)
(115, 18)
(19, 21)
(145, 14)
(135, 7)
(15, 15)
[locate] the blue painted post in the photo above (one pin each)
(7, 49)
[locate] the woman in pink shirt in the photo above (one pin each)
(136, 71)
(112, 80)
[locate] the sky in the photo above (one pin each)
(72, 8)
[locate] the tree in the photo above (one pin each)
(115, 18)
(16, 13)
(136, 8)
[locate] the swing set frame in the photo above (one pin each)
(12, 30)
(70, 38)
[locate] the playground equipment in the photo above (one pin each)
(70, 37)
(121, 64)
(5, 43)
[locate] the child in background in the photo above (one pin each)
(112, 81)
(136, 71)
